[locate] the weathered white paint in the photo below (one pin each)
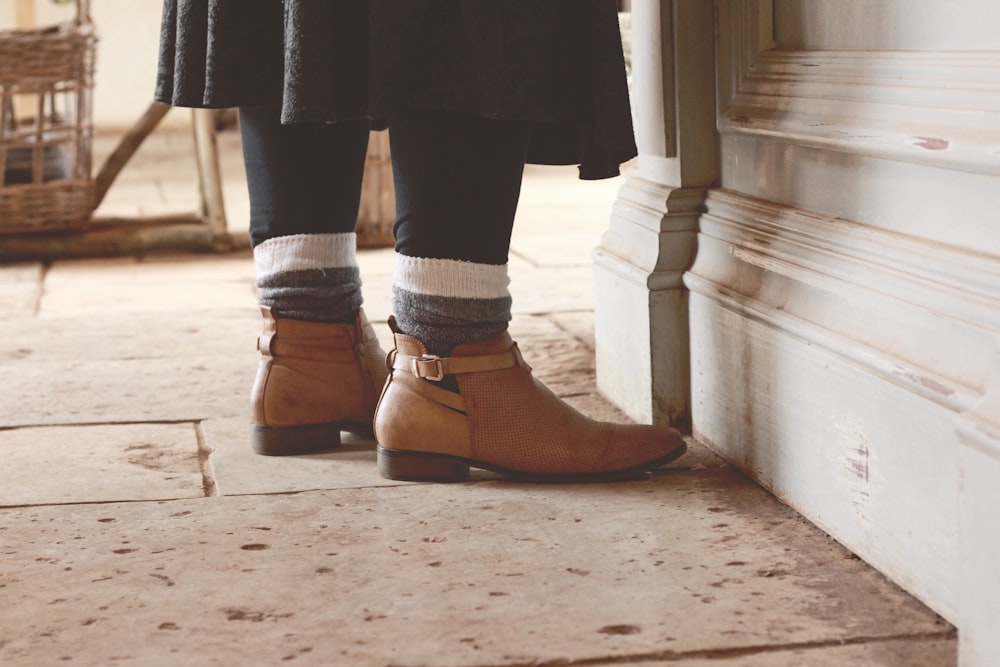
(641, 332)
(641, 303)
(818, 366)
(845, 300)
(846, 449)
(914, 25)
(979, 503)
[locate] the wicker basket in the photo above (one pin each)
(46, 131)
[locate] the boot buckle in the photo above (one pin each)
(428, 367)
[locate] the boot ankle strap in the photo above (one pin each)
(435, 368)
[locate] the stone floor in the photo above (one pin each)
(136, 527)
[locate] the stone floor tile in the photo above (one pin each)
(579, 325)
(136, 200)
(558, 360)
(376, 275)
(21, 272)
(125, 336)
(160, 284)
(19, 299)
(903, 652)
(319, 560)
(169, 268)
(161, 178)
(94, 464)
(68, 270)
(596, 406)
(376, 261)
(552, 290)
(557, 249)
(138, 297)
(198, 269)
(81, 391)
(468, 574)
(377, 291)
(517, 264)
(237, 470)
(553, 198)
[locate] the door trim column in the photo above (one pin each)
(978, 501)
(641, 336)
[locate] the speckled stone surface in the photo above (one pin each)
(237, 470)
(93, 464)
(157, 285)
(908, 651)
(475, 574)
(20, 289)
(137, 528)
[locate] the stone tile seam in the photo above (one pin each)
(394, 486)
(382, 487)
(205, 452)
(569, 333)
(724, 653)
(88, 503)
(42, 282)
(578, 394)
(151, 422)
(524, 258)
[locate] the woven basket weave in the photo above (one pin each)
(46, 131)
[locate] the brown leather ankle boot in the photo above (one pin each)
(504, 421)
(314, 381)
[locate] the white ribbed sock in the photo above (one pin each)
(312, 277)
(446, 302)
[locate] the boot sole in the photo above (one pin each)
(402, 465)
(301, 439)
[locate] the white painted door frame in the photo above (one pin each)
(641, 301)
(759, 262)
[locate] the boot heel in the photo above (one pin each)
(420, 466)
(294, 440)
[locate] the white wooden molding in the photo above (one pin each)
(979, 503)
(845, 301)
(642, 335)
(933, 108)
(828, 280)
(831, 360)
(653, 77)
(653, 228)
(641, 332)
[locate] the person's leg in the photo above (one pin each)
(459, 393)
(321, 367)
(305, 188)
(458, 179)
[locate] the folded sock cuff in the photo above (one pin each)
(451, 278)
(302, 252)
(449, 311)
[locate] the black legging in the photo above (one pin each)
(457, 176)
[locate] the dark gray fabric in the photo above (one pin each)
(557, 64)
(442, 323)
(458, 181)
(303, 178)
(315, 295)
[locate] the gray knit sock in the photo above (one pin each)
(446, 302)
(311, 277)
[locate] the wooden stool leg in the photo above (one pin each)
(209, 172)
(126, 148)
